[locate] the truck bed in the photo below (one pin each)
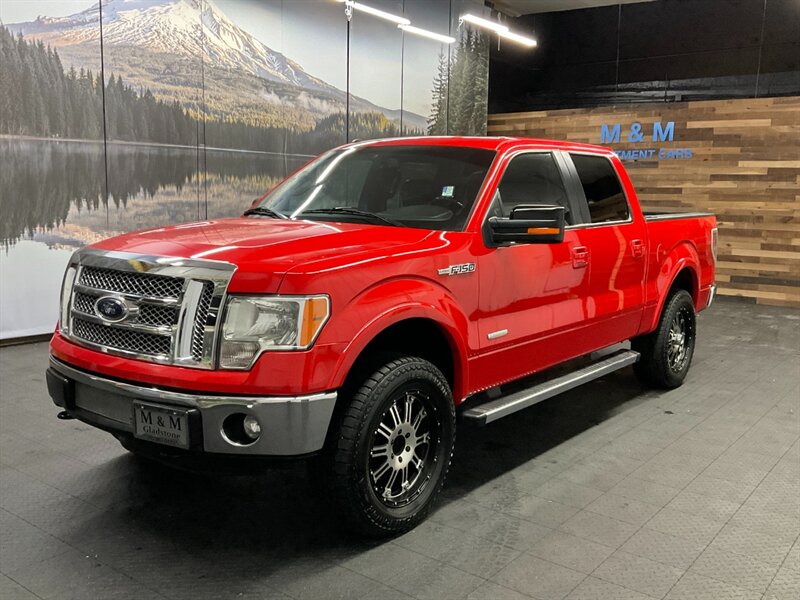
(664, 216)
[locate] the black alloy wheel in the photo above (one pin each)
(666, 353)
(390, 450)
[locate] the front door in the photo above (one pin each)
(532, 296)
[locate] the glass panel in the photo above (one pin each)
(468, 83)
(425, 68)
(274, 81)
(52, 173)
(375, 72)
(153, 70)
(430, 187)
(531, 179)
(601, 187)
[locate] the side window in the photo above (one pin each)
(530, 179)
(602, 188)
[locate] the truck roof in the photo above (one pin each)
(487, 142)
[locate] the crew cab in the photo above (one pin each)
(352, 312)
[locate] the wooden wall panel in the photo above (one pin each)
(745, 169)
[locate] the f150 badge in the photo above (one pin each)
(462, 269)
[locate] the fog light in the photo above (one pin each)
(252, 428)
(237, 355)
(240, 429)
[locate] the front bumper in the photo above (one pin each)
(291, 426)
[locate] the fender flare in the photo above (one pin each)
(682, 256)
(430, 302)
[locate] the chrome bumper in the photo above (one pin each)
(711, 295)
(290, 425)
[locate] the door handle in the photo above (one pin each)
(637, 248)
(580, 257)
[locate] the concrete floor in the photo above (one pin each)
(610, 491)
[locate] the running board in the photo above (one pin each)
(506, 405)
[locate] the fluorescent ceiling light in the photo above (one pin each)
(485, 23)
(377, 13)
(445, 39)
(499, 28)
(515, 37)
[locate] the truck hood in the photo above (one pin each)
(264, 249)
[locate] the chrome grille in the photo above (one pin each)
(169, 306)
(126, 340)
(198, 335)
(84, 303)
(157, 315)
(141, 284)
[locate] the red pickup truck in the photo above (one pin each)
(353, 311)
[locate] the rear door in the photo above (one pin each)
(613, 240)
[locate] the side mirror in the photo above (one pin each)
(529, 224)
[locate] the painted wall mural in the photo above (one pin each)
(142, 113)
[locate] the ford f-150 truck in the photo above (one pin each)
(352, 312)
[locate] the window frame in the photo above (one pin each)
(581, 195)
(563, 171)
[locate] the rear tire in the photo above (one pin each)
(666, 353)
(389, 457)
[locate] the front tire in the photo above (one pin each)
(666, 353)
(393, 447)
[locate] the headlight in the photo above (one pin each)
(254, 324)
(66, 295)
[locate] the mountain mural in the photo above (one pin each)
(173, 47)
(191, 113)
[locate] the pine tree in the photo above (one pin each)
(459, 98)
(480, 79)
(37, 97)
(437, 122)
(9, 75)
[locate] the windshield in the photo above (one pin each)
(429, 187)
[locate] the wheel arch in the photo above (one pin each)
(679, 270)
(413, 330)
(685, 279)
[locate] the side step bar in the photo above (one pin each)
(506, 405)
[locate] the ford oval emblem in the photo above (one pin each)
(111, 309)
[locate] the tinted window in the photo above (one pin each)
(530, 179)
(602, 188)
(425, 186)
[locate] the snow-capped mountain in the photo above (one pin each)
(148, 39)
(186, 28)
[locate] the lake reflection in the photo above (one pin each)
(54, 191)
(52, 201)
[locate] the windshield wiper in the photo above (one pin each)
(349, 210)
(263, 211)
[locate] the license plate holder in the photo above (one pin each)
(161, 424)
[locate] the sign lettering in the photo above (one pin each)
(663, 134)
(609, 136)
(636, 134)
